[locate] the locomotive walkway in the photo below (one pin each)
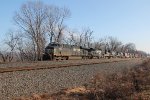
(59, 64)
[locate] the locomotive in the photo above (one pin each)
(55, 51)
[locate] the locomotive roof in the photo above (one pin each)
(57, 44)
(53, 44)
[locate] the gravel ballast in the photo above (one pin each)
(25, 83)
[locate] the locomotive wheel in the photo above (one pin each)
(45, 57)
(90, 57)
(83, 57)
(64, 58)
(55, 58)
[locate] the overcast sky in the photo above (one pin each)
(127, 20)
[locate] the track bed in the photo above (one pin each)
(11, 67)
(25, 83)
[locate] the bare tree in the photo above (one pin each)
(111, 44)
(3, 56)
(70, 38)
(129, 47)
(85, 38)
(52, 20)
(64, 13)
(99, 44)
(55, 22)
(7, 53)
(11, 42)
(20, 48)
(114, 44)
(30, 19)
(25, 50)
(142, 53)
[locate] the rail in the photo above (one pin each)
(28, 68)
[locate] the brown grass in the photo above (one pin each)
(131, 84)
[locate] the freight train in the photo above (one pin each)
(55, 51)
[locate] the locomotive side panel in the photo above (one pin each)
(76, 51)
(64, 51)
(60, 51)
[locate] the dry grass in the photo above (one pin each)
(133, 84)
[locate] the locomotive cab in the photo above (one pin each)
(55, 51)
(49, 51)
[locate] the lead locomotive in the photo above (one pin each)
(55, 51)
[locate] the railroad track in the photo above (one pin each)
(39, 67)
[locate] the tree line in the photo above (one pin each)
(39, 24)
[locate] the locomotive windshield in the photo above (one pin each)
(54, 44)
(49, 51)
